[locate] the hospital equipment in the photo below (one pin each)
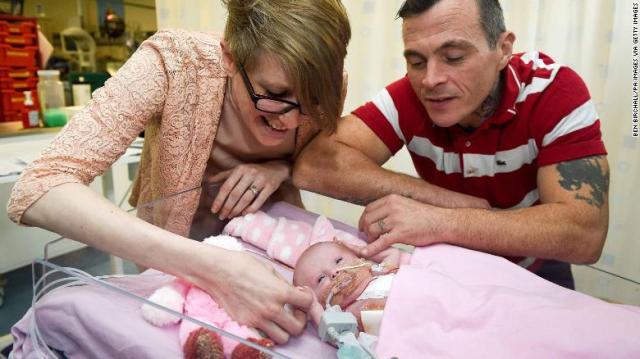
(335, 323)
(340, 329)
(80, 47)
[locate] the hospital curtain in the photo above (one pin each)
(591, 36)
(594, 38)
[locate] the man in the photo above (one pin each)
(518, 133)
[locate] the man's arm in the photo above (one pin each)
(347, 165)
(570, 225)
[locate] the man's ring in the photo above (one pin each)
(381, 225)
(254, 189)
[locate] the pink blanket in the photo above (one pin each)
(449, 302)
(456, 303)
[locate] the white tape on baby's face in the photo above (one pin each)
(347, 280)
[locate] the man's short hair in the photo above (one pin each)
(491, 17)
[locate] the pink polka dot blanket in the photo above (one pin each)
(285, 239)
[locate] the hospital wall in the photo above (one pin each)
(595, 40)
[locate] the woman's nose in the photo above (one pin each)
(291, 120)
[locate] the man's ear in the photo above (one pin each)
(505, 44)
(228, 63)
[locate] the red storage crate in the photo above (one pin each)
(19, 39)
(17, 25)
(18, 69)
(18, 73)
(18, 57)
(13, 101)
(10, 116)
(18, 84)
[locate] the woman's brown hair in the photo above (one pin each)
(310, 39)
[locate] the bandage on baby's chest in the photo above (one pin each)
(371, 320)
(378, 288)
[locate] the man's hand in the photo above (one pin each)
(397, 219)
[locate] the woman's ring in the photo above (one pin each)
(254, 189)
(381, 225)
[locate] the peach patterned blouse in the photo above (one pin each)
(173, 88)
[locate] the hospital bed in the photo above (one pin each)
(82, 316)
(75, 315)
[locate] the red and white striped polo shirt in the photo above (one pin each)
(545, 116)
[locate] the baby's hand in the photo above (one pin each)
(390, 256)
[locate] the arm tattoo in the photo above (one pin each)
(585, 171)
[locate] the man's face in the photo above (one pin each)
(320, 270)
(450, 65)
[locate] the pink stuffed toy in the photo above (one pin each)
(281, 238)
(285, 239)
(197, 342)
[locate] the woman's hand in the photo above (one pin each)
(247, 187)
(316, 310)
(255, 295)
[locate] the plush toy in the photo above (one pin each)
(285, 239)
(197, 342)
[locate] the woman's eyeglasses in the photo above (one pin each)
(266, 103)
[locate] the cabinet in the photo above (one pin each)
(19, 245)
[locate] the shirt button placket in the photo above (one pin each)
(469, 171)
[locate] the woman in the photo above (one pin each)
(236, 110)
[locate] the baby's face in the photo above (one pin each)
(321, 270)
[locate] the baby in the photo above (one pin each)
(338, 277)
(323, 262)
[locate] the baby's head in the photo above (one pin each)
(331, 268)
